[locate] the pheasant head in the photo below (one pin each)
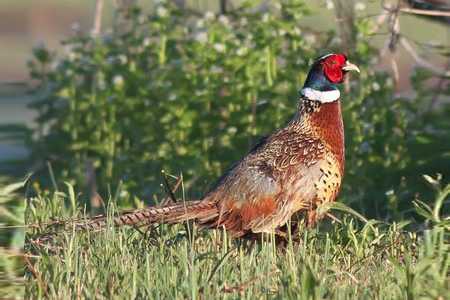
(325, 73)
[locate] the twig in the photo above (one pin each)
(97, 17)
(240, 287)
(344, 10)
(169, 190)
(426, 12)
(393, 39)
(381, 249)
(36, 275)
(420, 61)
(10, 252)
(380, 20)
(332, 217)
(394, 66)
(92, 185)
(46, 246)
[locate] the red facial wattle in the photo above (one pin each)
(333, 65)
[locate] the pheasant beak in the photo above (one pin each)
(350, 67)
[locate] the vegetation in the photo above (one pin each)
(191, 94)
(347, 261)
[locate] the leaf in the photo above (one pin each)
(72, 197)
(221, 263)
(342, 207)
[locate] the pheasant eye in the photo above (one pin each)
(333, 62)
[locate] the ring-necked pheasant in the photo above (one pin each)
(296, 168)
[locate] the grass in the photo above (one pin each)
(354, 259)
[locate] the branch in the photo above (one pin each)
(97, 17)
(425, 12)
(422, 62)
(169, 190)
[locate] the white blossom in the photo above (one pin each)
(375, 86)
(231, 130)
(277, 5)
(161, 11)
(281, 105)
(310, 38)
(329, 5)
(122, 58)
(209, 15)
(360, 6)
(219, 47)
(224, 20)
(146, 42)
(200, 93)
(296, 31)
(389, 82)
(172, 96)
(200, 23)
(241, 51)
(118, 80)
(71, 55)
(265, 17)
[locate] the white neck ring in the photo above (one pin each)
(322, 96)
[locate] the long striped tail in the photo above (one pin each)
(169, 214)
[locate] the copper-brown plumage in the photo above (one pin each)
(296, 168)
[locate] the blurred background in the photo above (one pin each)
(105, 94)
(25, 24)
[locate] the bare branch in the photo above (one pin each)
(95, 198)
(422, 62)
(97, 17)
(426, 12)
(170, 190)
(394, 66)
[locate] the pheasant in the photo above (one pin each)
(297, 168)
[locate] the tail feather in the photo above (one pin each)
(169, 214)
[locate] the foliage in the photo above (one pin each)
(11, 239)
(346, 261)
(176, 92)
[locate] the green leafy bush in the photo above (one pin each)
(176, 92)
